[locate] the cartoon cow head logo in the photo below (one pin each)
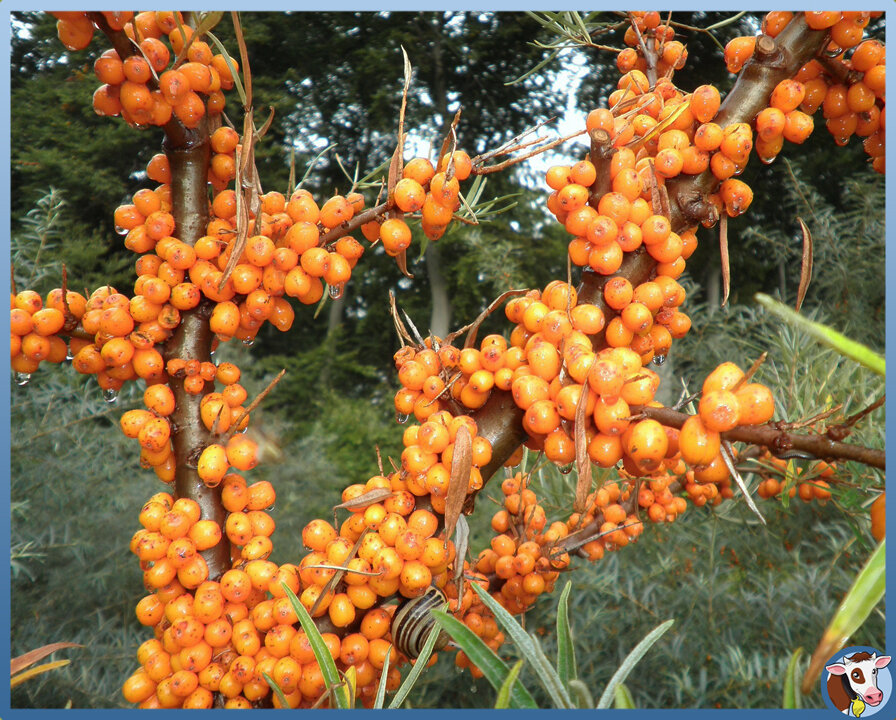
(858, 683)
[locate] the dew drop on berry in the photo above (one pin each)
(401, 419)
(119, 230)
(110, 395)
(335, 291)
(249, 342)
(22, 378)
(69, 355)
(767, 160)
(659, 359)
(566, 469)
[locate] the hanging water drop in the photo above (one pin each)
(566, 469)
(69, 355)
(110, 395)
(767, 160)
(22, 378)
(119, 230)
(400, 418)
(249, 342)
(335, 291)
(659, 359)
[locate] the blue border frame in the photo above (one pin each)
(350, 5)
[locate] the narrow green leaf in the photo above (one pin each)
(503, 701)
(417, 670)
(529, 73)
(866, 592)
(321, 653)
(230, 66)
(277, 691)
(862, 354)
(566, 654)
(36, 670)
(529, 648)
(623, 698)
(791, 682)
(482, 656)
(630, 661)
(581, 694)
(381, 688)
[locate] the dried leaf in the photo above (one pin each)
(461, 464)
(461, 543)
(723, 255)
(17, 664)
(402, 261)
(474, 326)
(583, 462)
(362, 501)
(727, 456)
(400, 329)
(806, 266)
(244, 57)
(340, 572)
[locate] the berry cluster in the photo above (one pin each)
(847, 81)
(141, 87)
(576, 364)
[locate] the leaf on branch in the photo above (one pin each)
(806, 266)
(461, 543)
(458, 484)
(473, 327)
(723, 255)
(17, 664)
(244, 57)
(583, 462)
(400, 329)
(340, 571)
(363, 500)
(402, 261)
(727, 456)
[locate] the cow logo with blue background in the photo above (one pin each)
(857, 681)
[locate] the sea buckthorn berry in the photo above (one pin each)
(787, 95)
(704, 104)
(409, 195)
(395, 236)
(756, 404)
(557, 177)
(726, 376)
(646, 443)
(738, 51)
(697, 444)
(770, 123)
(736, 195)
(719, 410)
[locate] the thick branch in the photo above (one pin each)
(188, 156)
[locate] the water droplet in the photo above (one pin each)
(69, 355)
(249, 342)
(119, 230)
(211, 356)
(566, 469)
(659, 359)
(22, 378)
(335, 291)
(110, 395)
(400, 418)
(767, 160)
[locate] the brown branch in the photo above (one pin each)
(777, 439)
(188, 155)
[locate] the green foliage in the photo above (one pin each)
(73, 497)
